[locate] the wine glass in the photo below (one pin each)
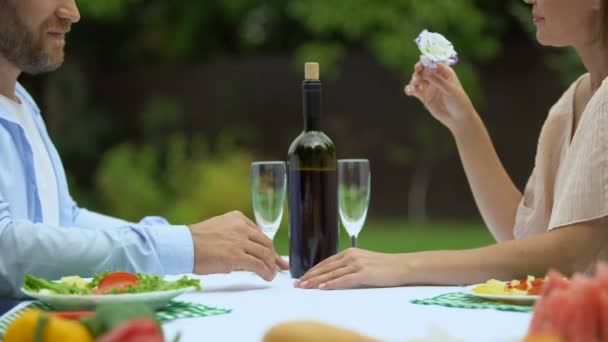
(354, 187)
(268, 188)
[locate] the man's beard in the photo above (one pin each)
(22, 48)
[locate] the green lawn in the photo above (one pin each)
(403, 236)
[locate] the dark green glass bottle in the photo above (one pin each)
(313, 185)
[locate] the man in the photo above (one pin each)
(42, 231)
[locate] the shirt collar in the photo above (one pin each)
(26, 100)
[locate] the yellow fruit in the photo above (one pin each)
(492, 286)
(23, 329)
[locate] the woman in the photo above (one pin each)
(560, 220)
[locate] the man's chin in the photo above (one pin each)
(49, 59)
(43, 68)
(52, 61)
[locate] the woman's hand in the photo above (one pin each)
(442, 94)
(355, 268)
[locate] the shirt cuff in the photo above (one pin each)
(154, 221)
(175, 249)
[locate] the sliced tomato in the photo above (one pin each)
(118, 281)
(517, 284)
(134, 330)
(523, 285)
(538, 282)
(72, 314)
(537, 285)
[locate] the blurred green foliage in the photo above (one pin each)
(387, 29)
(193, 31)
(161, 169)
(173, 175)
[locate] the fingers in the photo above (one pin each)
(418, 84)
(245, 219)
(231, 241)
(263, 254)
(282, 263)
(417, 89)
(249, 222)
(260, 238)
(442, 74)
(410, 90)
(329, 260)
(320, 268)
(321, 280)
(340, 271)
(348, 281)
(418, 79)
(425, 77)
(444, 71)
(252, 264)
(435, 80)
(255, 234)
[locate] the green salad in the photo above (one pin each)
(107, 283)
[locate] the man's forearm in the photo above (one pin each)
(566, 249)
(53, 252)
(89, 219)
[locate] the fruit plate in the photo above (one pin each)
(507, 298)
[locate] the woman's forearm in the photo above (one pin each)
(566, 249)
(495, 194)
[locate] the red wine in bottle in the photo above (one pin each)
(312, 185)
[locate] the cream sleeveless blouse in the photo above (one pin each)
(569, 183)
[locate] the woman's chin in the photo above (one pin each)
(546, 41)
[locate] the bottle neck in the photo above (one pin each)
(311, 105)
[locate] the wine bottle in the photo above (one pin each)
(312, 185)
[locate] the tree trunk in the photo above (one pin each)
(418, 191)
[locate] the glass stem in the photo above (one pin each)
(353, 241)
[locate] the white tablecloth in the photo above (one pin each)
(382, 313)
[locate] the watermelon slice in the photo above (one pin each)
(603, 303)
(573, 310)
(585, 319)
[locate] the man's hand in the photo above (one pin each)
(230, 242)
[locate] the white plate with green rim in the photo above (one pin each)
(507, 298)
(154, 300)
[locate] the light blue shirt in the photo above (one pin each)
(85, 242)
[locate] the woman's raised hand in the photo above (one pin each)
(442, 94)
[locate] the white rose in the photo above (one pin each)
(435, 49)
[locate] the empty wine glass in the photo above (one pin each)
(268, 188)
(354, 182)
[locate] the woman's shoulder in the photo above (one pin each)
(565, 102)
(597, 104)
(571, 90)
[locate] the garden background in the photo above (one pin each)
(162, 105)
